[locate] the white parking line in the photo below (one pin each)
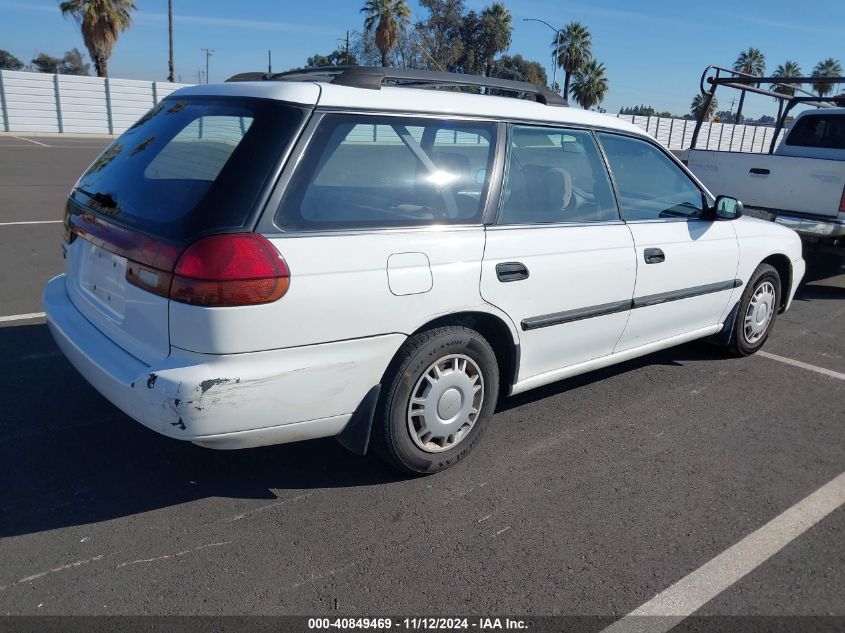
(21, 138)
(798, 363)
(698, 588)
(31, 222)
(22, 317)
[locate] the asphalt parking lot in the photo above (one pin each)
(586, 497)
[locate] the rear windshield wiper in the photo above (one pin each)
(101, 199)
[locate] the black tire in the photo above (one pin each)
(740, 345)
(391, 436)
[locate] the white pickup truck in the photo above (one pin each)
(801, 185)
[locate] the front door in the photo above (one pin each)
(559, 260)
(686, 264)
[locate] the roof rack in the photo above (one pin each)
(750, 83)
(374, 77)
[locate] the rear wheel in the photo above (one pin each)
(757, 312)
(437, 398)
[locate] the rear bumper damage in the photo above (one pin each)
(225, 401)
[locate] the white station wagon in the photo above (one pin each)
(347, 252)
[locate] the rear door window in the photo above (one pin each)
(818, 130)
(555, 175)
(379, 171)
(190, 166)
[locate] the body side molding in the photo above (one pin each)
(558, 318)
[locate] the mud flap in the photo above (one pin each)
(724, 336)
(355, 436)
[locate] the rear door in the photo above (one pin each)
(686, 265)
(559, 260)
(189, 167)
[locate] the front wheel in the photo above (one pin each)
(437, 398)
(757, 312)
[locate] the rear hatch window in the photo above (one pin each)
(190, 166)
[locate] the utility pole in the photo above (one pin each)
(170, 32)
(208, 53)
(347, 48)
(269, 62)
(199, 76)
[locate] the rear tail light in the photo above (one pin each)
(69, 229)
(842, 202)
(230, 270)
(234, 269)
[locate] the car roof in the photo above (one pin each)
(412, 100)
(820, 111)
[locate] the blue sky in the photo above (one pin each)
(654, 52)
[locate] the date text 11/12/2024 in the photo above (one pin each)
(419, 624)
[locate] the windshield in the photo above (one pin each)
(190, 166)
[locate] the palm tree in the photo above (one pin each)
(697, 105)
(101, 22)
(750, 62)
(572, 48)
(786, 70)
(589, 84)
(827, 68)
(387, 18)
(496, 22)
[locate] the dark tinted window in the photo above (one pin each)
(555, 175)
(190, 166)
(367, 171)
(649, 183)
(818, 130)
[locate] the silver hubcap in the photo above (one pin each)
(760, 311)
(445, 403)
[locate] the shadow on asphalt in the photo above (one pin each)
(70, 458)
(677, 356)
(818, 292)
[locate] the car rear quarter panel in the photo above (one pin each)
(347, 286)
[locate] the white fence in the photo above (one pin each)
(37, 102)
(677, 134)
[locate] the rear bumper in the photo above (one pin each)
(225, 401)
(811, 226)
(815, 228)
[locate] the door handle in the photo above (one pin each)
(654, 256)
(511, 271)
(760, 171)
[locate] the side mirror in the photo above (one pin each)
(727, 208)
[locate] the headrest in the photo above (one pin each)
(556, 189)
